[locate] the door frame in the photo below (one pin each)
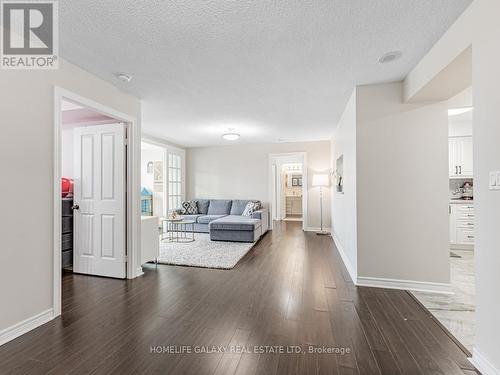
(133, 216)
(282, 158)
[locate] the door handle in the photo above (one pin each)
(456, 169)
(75, 207)
(460, 169)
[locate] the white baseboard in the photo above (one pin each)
(317, 229)
(347, 262)
(139, 272)
(417, 286)
(12, 332)
(311, 229)
(482, 364)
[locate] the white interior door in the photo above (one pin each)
(99, 200)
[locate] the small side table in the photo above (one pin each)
(176, 230)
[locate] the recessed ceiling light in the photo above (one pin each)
(459, 111)
(390, 57)
(124, 77)
(231, 136)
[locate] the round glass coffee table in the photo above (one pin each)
(177, 230)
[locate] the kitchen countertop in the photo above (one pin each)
(461, 201)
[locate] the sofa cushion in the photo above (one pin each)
(235, 222)
(238, 206)
(191, 217)
(203, 206)
(205, 219)
(219, 207)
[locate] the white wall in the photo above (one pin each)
(147, 155)
(402, 171)
(486, 81)
(478, 26)
(391, 223)
(461, 125)
(242, 172)
(344, 213)
(460, 128)
(67, 151)
(26, 162)
(431, 78)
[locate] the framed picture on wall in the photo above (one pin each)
(158, 172)
(340, 175)
(296, 180)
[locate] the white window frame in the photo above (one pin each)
(181, 168)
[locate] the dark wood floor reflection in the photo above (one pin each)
(291, 289)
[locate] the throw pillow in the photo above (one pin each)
(257, 206)
(249, 209)
(189, 208)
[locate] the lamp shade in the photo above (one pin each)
(320, 180)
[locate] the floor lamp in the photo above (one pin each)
(321, 180)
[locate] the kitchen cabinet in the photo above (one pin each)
(462, 225)
(460, 156)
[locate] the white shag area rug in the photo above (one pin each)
(203, 252)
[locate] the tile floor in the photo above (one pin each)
(457, 311)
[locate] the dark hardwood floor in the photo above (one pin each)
(290, 289)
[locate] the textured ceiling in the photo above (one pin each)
(272, 70)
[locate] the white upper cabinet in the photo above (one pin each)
(460, 161)
(465, 167)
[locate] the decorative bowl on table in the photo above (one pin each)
(173, 215)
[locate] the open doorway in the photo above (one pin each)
(456, 311)
(291, 191)
(95, 214)
(288, 187)
(93, 168)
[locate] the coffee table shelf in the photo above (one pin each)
(177, 230)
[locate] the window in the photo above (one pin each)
(174, 181)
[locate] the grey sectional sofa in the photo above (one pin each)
(224, 221)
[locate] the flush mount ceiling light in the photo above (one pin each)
(124, 77)
(230, 135)
(459, 111)
(390, 57)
